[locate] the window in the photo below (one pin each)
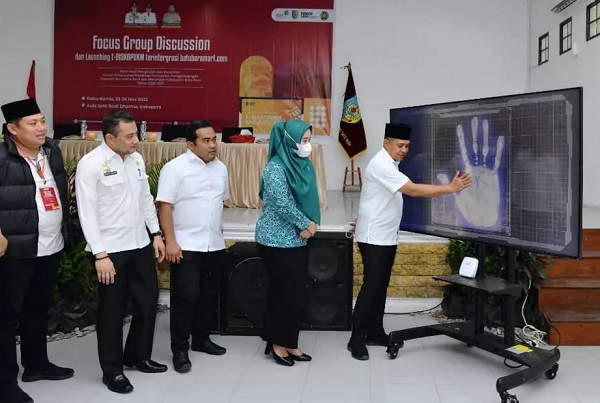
(593, 20)
(544, 44)
(566, 36)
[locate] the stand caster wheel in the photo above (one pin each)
(392, 350)
(551, 373)
(508, 398)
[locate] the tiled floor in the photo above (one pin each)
(436, 369)
(431, 370)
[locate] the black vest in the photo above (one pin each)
(18, 209)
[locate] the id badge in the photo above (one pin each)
(49, 199)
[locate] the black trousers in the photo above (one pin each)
(287, 269)
(136, 277)
(370, 303)
(26, 293)
(195, 284)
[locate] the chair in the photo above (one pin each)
(66, 129)
(230, 131)
(171, 132)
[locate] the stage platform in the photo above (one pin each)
(239, 223)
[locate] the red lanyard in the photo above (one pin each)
(41, 170)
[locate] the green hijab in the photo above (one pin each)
(299, 172)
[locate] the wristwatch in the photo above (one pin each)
(157, 233)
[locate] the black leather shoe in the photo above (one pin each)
(303, 357)
(117, 384)
(181, 361)
(147, 366)
(51, 373)
(12, 393)
(381, 339)
(358, 349)
(286, 361)
(208, 347)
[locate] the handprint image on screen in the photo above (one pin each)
(480, 203)
(524, 153)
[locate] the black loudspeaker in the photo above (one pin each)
(244, 291)
(328, 286)
(329, 282)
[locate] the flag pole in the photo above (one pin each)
(352, 172)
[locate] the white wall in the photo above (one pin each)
(568, 70)
(414, 52)
(26, 33)
(403, 52)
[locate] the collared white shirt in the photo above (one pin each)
(50, 239)
(114, 201)
(197, 191)
(380, 206)
(133, 18)
(149, 18)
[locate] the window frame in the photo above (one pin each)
(589, 22)
(543, 51)
(562, 37)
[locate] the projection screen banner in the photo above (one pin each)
(177, 62)
(525, 154)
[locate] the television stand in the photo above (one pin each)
(537, 361)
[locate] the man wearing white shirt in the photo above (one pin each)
(33, 231)
(376, 232)
(191, 192)
(149, 18)
(133, 17)
(115, 210)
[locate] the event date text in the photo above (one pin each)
(131, 99)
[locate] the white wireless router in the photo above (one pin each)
(468, 267)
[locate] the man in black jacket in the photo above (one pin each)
(33, 220)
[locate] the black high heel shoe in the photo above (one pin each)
(285, 361)
(302, 357)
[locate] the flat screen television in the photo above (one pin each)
(525, 154)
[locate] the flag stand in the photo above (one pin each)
(352, 173)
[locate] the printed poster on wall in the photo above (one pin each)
(231, 62)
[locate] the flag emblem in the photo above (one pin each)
(351, 111)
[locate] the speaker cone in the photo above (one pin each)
(248, 284)
(323, 262)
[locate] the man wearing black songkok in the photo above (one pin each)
(376, 232)
(33, 231)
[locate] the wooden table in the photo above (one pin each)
(245, 163)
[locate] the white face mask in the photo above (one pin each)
(303, 150)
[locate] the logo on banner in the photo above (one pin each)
(302, 15)
(351, 111)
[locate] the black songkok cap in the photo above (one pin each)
(397, 131)
(20, 109)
